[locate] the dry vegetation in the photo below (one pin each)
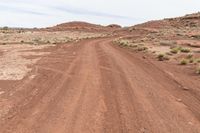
(10, 36)
(16, 45)
(51, 81)
(169, 39)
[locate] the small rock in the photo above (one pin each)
(1, 92)
(179, 100)
(190, 123)
(32, 76)
(185, 88)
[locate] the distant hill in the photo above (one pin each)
(190, 20)
(82, 26)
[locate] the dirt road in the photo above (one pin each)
(95, 87)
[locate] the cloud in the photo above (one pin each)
(79, 11)
(15, 9)
(42, 13)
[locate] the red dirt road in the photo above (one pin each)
(95, 87)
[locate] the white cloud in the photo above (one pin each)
(37, 13)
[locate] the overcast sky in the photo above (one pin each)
(43, 13)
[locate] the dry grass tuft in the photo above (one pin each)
(184, 62)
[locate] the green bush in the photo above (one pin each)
(162, 57)
(185, 50)
(198, 60)
(124, 42)
(184, 62)
(174, 50)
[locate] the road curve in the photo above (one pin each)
(95, 87)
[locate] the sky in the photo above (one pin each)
(45, 13)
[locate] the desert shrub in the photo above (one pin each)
(115, 41)
(174, 50)
(162, 57)
(198, 60)
(5, 28)
(184, 62)
(196, 36)
(189, 56)
(191, 60)
(185, 50)
(124, 42)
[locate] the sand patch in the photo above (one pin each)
(160, 49)
(13, 65)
